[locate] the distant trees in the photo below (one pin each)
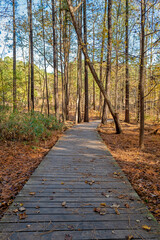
(122, 52)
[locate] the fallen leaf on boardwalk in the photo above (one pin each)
(126, 205)
(70, 227)
(90, 182)
(129, 237)
(115, 206)
(21, 204)
(145, 227)
(37, 207)
(62, 183)
(105, 195)
(63, 204)
(15, 210)
(28, 226)
(116, 211)
(22, 209)
(68, 237)
(121, 196)
(22, 215)
(32, 193)
(103, 204)
(101, 211)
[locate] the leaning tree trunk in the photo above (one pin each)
(94, 74)
(109, 49)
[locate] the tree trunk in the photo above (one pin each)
(94, 92)
(29, 60)
(55, 61)
(45, 67)
(32, 57)
(14, 61)
(141, 80)
(109, 49)
(94, 74)
(86, 110)
(127, 70)
(102, 53)
(79, 69)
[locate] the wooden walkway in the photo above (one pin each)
(78, 192)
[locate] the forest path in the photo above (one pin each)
(70, 184)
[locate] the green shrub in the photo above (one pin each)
(24, 126)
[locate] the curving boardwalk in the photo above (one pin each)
(78, 192)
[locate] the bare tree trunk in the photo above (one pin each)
(102, 53)
(109, 49)
(94, 74)
(127, 70)
(29, 60)
(32, 57)
(61, 59)
(55, 60)
(86, 111)
(141, 80)
(14, 61)
(79, 69)
(94, 92)
(45, 67)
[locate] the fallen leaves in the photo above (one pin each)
(32, 193)
(22, 209)
(147, 228)
(130, 237)
(105, 195)
(22, 215)
(89, 182)
(100, 210)
(64, 204)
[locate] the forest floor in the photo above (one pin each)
(18, 160)
(142, 168)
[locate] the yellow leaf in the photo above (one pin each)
(103, 204)
(145, 227)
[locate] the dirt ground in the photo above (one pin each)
(18, 160)
(141, 167)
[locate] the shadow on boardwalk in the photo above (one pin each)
(78, 192)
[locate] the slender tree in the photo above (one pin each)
(55, 61)
(86, 111)
(141, 80)
(102, 53)
(127, 68)
(44, 53)
(14, 61)
(109, 49)
(32, 57)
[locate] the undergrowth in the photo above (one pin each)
(27, 126)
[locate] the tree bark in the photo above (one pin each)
(102, 53)
(32, 57)
(45, 66)
(86, 110)
(127, 70)
(141, 80)
(94, 92)
(29, 60)
(109, 50)
(14, 61)
(55, 61)
(94, 74)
